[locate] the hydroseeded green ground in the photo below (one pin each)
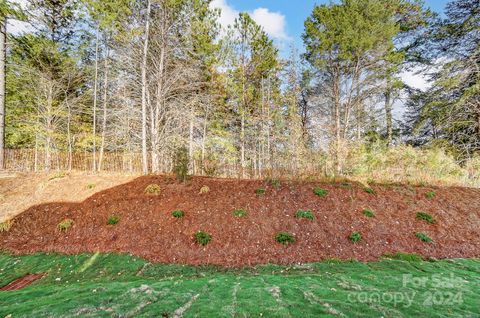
(123, 286)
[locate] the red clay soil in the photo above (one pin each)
(22, 282)
(147, 228)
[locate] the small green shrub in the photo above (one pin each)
(202, 238)
(408, 257)
(285, 238)
(260, 191)
(425, 217)
(368, 213)
(91, 186)
(153, 189)
(304, 214)
(112, 220)
(65, 224)
(6, 226)
(204, 189)
(320, 192)
(275, 183)
(430, 195)
(355, 237)
(178, 214)
(369, 190)
(239, 213)
(423, 237)
(58, 175)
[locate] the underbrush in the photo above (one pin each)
(406, 164)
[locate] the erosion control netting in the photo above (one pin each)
(147, 228)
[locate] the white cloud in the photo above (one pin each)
(17, 27)
(228, 14)
(415, 79)
(273, 23)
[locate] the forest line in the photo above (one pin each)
(163, 80)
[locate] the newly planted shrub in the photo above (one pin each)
(204, 189)
(285, 238)
(425, 217)
(153, 189)
(320, 192)
(113, 219)
(275, 183)
(260, 191)
(430, 195)
(202, 238)
(239, 213)
(178, 214)
(65, 224)
(423, 237)
(355, 237)
(304, 214)
(368, 213)
(6, 226)
(369, 190)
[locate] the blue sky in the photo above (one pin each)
(283, 19)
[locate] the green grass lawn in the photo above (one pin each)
(124, 286)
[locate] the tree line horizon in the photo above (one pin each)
(163, 78)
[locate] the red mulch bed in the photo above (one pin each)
(22, 282)
(147, 228)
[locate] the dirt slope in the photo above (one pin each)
(147, 228)
(19, 191)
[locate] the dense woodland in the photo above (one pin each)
(163, 79)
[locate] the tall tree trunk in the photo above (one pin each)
(190, 142)
(155, 112)
(336, 111)
(359, 114)
(105, 103)
(144, 90)
(95, 85)
(3, 44)
(388, 112)
(204, 137)
(243, 109)
(69, 135)
(49, 128)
